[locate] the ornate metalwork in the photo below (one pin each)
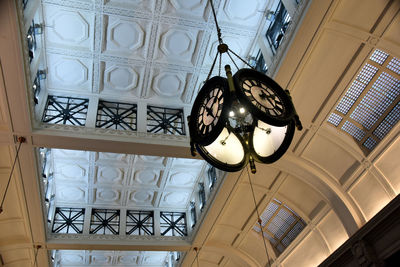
(36, 87)
(278, 27)
(212, 176)
(68, 220)
(24, 3)
(139, 222)
(173, 224)
(165, 120)
(104, 222)
(115, 115)
(66, 110)
(31, 39)
(260, 65)
(193, 214)
(202, 196)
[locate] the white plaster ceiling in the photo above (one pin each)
(109, 180)
(111, 258)
(134, 50)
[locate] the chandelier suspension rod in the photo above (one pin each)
(216, 22)
(258, 214)
(234, 63)
(244, 61)
(212, 66)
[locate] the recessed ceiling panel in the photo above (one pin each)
(108, 180)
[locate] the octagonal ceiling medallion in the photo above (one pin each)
(71, 71)
(141, 197)
(241, 10)
(110, 175)
(168, 84)
(178, 44)
(70, 27)
(71, 194)
(107, 195)
(122, 78)
(181, 179)
(175, 199)
(126, 35)
(147, 177)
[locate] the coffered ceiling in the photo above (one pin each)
(111, 258)
(157, 51)
(109, 180)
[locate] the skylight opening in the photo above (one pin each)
(369, 108)
(280, 225)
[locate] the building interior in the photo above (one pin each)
(94, 99)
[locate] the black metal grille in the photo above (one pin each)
(36, 90)
(118, 116)
(165, 120)
(193, 214)
(36, 87)
(202, 196)
(212, 176)
(173, 224)
(104, 222)
(31, 39)
(24, 3)
(260, 66)
(68, 220)
(65, 110)
(139, 222)
(278, 27)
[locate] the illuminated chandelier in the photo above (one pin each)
(242, 118)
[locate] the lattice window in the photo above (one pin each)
(65, 110)
(335, 119)
(68, 220)
(280, 224)
(193, 214)
(165, 120)
(173, 223)
(139, 222)
(115, 115)
(369, 108)
(104, 222)
(278, 27)
(394, 65)
(379, 56)
(259, 62)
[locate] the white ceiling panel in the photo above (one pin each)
(111, 258)
(108, 180)
(133, 50)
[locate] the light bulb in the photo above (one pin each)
(242, 110)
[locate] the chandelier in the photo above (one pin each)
(241, 118)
